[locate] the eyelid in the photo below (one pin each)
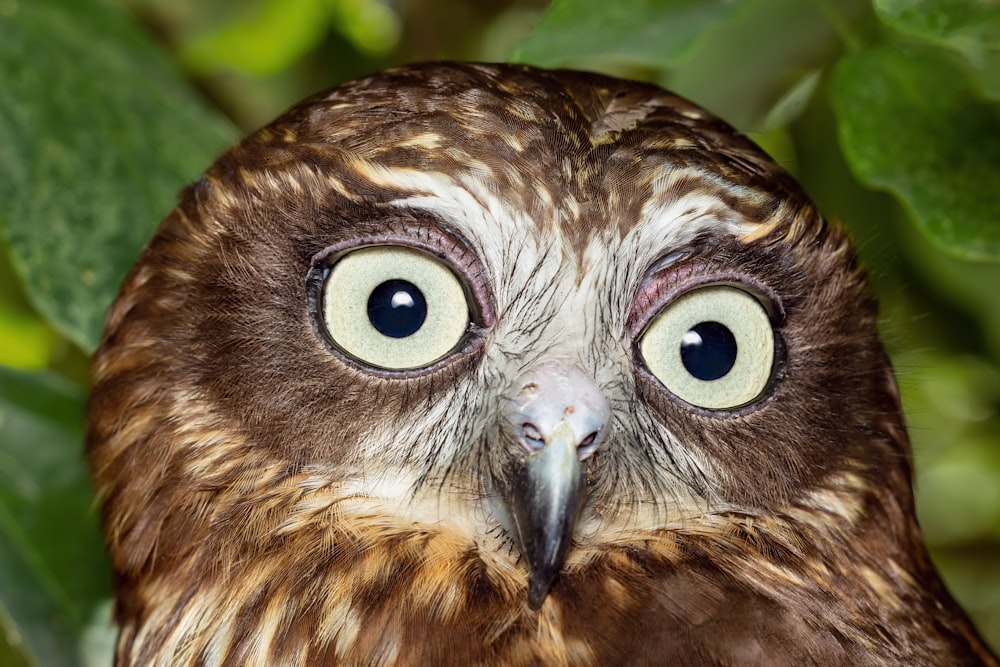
(663, 287)
(447, 246)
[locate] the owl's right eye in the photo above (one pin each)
(393, 307)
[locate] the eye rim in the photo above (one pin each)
(656, 291)
(641, 317)
(456, 256)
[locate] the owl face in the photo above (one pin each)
(396, 276)
(499, 321)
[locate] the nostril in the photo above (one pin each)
(587, 446)
(532, 437)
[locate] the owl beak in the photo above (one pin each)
(559, 418)
(546, 501)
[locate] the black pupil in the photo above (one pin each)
(708, 350)
(397, 309)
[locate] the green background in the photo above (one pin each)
(888, 112)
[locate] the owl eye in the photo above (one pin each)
(712, 347)
(393, 307)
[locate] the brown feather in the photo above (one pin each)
(232, 449)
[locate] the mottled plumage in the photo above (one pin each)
(272, 497)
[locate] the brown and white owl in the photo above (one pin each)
(490, 365)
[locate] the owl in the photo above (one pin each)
(471, 364)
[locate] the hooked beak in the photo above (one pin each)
(559, 418)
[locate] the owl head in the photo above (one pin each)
(484, 344)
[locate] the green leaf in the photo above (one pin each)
(268, 37)
(9, 656)
(265, 39)
(654, 33)
(908, 124)
(53, 572)
(98, 132)
(970, 28)
(764, 56)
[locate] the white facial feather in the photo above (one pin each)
(549, 305)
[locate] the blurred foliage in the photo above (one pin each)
(886, 110)
(62, 171)
(651, 33)
(907, 121)
(49, 534)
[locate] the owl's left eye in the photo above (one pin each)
(712, 347)
(393, 307)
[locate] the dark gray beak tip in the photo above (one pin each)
(538, 590)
